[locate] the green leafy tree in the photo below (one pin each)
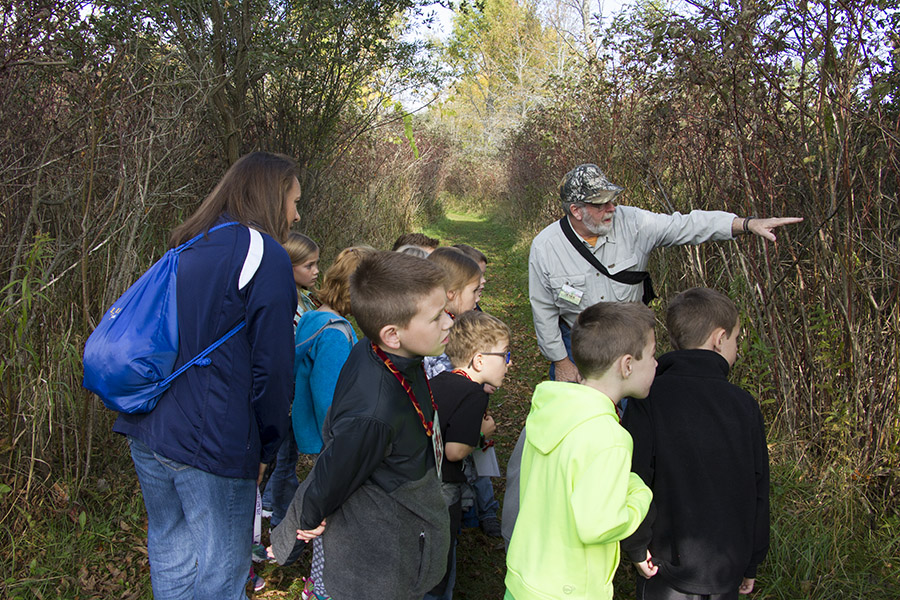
(502, 58)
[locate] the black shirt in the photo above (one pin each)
(372, 432)
(462, 404)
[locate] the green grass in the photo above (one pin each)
(63, 542)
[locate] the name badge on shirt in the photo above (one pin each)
(570, 294)
(438, 441)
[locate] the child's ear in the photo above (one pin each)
(626, 365)
(719, 336)
(390, 336)
(451, 294)
(477, 362)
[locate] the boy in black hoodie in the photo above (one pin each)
(700, 445)
(372, 503)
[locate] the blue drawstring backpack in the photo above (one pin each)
(130, 357)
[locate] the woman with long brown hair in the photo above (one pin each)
(200, 453)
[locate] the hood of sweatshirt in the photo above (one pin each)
(558, 407)
(694, 362)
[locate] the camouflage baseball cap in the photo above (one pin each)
(587, 183)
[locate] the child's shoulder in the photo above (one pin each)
(366, 387)
(452, 382)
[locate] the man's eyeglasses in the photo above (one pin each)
(507, 355)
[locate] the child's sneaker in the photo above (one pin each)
(258, 582)
(307, 592)
(258, 554)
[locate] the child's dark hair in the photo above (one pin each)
(416, 239)
(387, 287)
(695, 313)
(473, 253)
(607, 330)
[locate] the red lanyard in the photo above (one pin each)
(461, 372)
(428, 425)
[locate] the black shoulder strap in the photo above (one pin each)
(626, 277)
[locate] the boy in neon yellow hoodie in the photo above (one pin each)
(577, 495)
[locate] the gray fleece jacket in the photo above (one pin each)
(387, 533)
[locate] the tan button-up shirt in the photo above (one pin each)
(555, 268)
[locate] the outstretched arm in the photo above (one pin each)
(761, 227)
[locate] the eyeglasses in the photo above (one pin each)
(507, 355)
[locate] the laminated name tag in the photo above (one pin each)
(437, 441)
(570, 294)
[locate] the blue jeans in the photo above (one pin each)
(566, 333)
(451, 578)
(199, 528)
(485, 503)
(283, 481)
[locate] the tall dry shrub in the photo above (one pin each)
(100, 157)
(380, 187)
(787, 109)
(106, 122)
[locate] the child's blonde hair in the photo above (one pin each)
(473, 332)
(461, 270)
(335, 289)
(299, 247)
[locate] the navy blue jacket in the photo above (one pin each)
(230, 416)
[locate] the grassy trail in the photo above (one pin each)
(828, 541)
(481, 564)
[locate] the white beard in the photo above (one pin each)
(596, 227)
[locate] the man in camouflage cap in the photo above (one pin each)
(561, 280)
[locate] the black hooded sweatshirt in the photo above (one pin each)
(700, 445)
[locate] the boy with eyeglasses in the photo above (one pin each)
(478, 349)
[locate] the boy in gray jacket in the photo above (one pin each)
(373, 502)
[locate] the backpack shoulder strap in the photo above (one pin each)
(253, 260)
(332, 323)
(626, 277)
(251, 264)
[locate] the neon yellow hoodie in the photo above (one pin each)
(578, 497)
